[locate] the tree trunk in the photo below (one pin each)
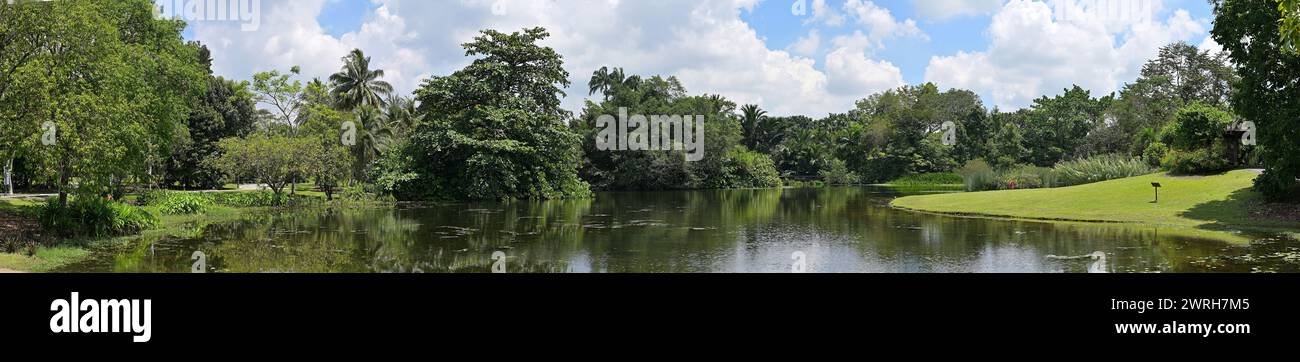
(64, 177)
(9, 176)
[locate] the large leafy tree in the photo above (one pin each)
(495, 129)
(226, 109)
(24, 28)
(1059, 125)
(358, 86)
(903, 131)
(1269, 91)
(273, 159)
(115, 82)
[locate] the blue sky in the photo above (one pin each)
(753, 51)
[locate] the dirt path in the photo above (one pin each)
(7, 271)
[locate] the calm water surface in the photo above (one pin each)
(848, 229)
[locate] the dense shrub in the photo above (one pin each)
(93, 217)
(748, 169)
(1097, 169)
(837, 173)
(177, 203)
(926, 179)
(1198, 162)
(1154, 154)
(1020, 177)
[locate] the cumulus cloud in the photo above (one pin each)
(704, 43)
(880, 22)
(1033, 53)
(946, 9)
(807, 45)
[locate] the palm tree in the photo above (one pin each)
(373, 138)
(400, 114)
(357, 86)
(752, 119)
(600, 82)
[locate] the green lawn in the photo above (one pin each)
(1220, 202)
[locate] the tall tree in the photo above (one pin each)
(1269, 91)
(374, 136)
(495, 129)
(356, 85)
(226, 110)
(116, 84)
(282, 93)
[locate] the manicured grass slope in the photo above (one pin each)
(1217, 202)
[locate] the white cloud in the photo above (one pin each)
(880, 23)
(704, 43)
(807, 45)
(945, 9)
(825, 14)
(1033, 54)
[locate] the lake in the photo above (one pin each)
(819, 230)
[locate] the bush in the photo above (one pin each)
(837, 173)
(1155, 153)
(177, 203)
(929, 179)
(979, 177)
(1198, 162)
(94, 217)
(749, 169)
(261, 199)
(1097, 169)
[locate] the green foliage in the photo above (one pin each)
(117, 86)
(931, 179)
(1251, 33)
(1290, 27)
(274, 160)
(494, 130)
(1099, 168)
(1197, 126)
(1155, 153)
(93, 217)
(357, 86)
(1057, 126)
(899, 132)
(837, 173)
(176, 203)
(1196, 162)
(282, 93)
(749, 169)
(225, 110)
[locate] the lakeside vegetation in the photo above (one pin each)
(139, 109)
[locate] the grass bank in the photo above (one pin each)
(1216, 203)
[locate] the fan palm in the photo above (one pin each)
(356, 85)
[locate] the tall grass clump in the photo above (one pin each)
(929, 179)
(93, 217)
(1098, 169)
(177, 203)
